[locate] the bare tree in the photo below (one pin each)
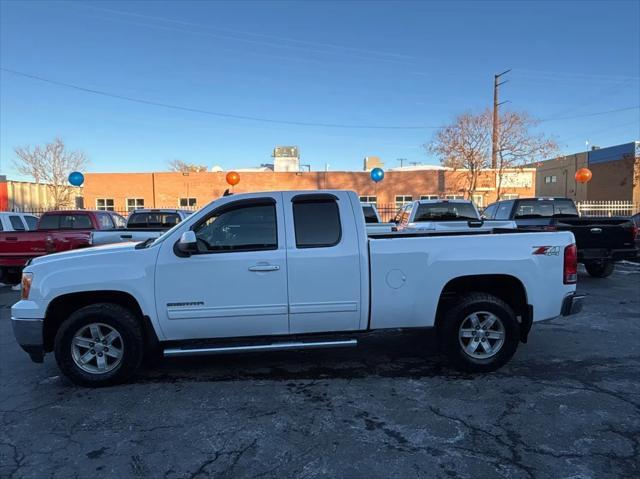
(51, 164)
(518, 146)
(184, 167)
(465, 144)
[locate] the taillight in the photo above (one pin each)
(634, 232)
(570, 273)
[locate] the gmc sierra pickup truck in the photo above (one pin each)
(56, 231)
(289, 270)
(141, 225)
(600, 241)
(446, 215)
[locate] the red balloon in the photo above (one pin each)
(233, 178)
(583, 175)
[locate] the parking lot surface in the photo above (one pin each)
(567, 405)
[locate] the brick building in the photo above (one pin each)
(615, 169)
(126, 191)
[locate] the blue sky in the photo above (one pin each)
(347, 63)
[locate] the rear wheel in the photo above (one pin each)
(99, 345)
(600, 269)
(480, 333)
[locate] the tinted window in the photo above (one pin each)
(369, 214)
(104, 220)
(445, 211)
(489, 211)
(16, 223)
(240, 228)
(119, 221)
(153, 220)
(545, 208)
(316, 223)
(32, 222)
(75, 222)
(504, 210)
(49, 222)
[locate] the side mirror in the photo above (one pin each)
(187, 244)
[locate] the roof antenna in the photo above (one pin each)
(227, 192)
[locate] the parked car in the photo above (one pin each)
(373, 222)
(10, 221)
(141, 225)
(600, 241)
(446, 215)
(289, 270)
(56, 231)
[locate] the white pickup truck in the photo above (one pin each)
(446, 216)
(288, 270)
(142, 224)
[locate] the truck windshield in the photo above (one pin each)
(446, 211)
(153, 220)
(545, 209)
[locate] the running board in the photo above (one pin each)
(174, 352)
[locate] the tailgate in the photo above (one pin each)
(600, 233)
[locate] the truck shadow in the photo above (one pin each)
(401, 355)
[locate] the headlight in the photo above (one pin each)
(27, 278)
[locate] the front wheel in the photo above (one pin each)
(99, 345)
(480, 333)
(600, 269)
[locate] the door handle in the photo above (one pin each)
(264, 267)
(126, 236)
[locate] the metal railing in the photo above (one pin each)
(607, 208)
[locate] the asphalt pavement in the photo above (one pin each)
(567, 405)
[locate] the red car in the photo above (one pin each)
(56, 231)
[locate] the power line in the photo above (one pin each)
(215, 113)
(597, 113)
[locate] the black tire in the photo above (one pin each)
(454, 317)
(600, 269)
(115, 316)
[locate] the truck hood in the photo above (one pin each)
(84, 253)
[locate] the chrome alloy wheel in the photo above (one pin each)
(97, 348)
(481, 335)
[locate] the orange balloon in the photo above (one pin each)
(583, 175)
(233, 178)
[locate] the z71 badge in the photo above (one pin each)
(546, 250)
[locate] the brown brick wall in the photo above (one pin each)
(164, 189)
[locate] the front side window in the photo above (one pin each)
(75, 222)
(369, 214)
(504, 210)
(134, 204)
(316, 223)
(105, 204)
(16, 223)
(490, 211)
(32, 222)
(250, 227)
(119, 221)
(50, 222)
(105, 222)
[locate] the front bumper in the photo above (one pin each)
(572, 304)
(28, 333)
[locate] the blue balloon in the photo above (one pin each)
(76, 178)
(377, 174)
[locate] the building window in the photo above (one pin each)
(509, 196)
(551, 179)
(134, 204)
(187, 202)
(403, 200)
(105, 204)
(368, 199)
(428, 197)
(455, 197)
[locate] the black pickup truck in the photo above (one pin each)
(600, 241)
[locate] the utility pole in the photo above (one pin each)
(496, 118)
(401, 160)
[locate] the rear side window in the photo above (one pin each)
(105, 221)
(369, 214)
(16, 223)
(49, 222)
(32, 222)
(316, 223)
(75, 222)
